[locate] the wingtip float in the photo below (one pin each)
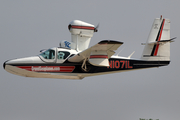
(74, 60)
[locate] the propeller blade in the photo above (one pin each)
(96, 28)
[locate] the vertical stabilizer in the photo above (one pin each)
(157, 47)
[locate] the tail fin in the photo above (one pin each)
(157, 47)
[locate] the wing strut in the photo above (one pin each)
(84, 67)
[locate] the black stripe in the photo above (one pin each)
(152, 53)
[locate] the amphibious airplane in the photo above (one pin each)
(74, 60)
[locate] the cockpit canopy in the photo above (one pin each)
(48, 54)
(58, 55)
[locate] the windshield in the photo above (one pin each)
(49, 54)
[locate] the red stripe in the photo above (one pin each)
(82, 27)
(25, 67)
(48, 68)
(98, 56)
(157, 47)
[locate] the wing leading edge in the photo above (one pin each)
(98, 54)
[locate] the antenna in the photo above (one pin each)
(120, 52)
(131, 54)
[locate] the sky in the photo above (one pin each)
(26, 27)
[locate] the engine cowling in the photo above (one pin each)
(77, 27)
(81, 33)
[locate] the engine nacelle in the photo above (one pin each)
(81, 33)
(77, 27)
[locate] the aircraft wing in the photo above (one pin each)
(98, 54)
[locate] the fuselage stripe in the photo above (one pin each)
(98, 56)
(48, 68)
(82, 27)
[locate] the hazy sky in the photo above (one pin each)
(27, 26)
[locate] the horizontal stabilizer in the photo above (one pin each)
(159, 42)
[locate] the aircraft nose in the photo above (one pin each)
(4, 65)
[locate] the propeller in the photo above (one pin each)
(96, 28)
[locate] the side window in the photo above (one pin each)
(63, 55)
(49, 54)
